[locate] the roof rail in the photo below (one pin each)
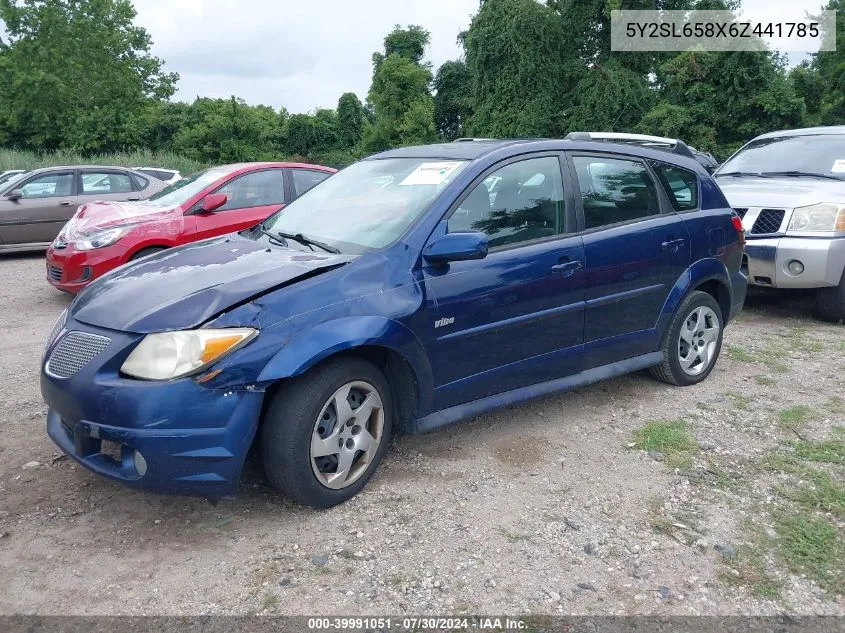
(658, 142)
(469, 140)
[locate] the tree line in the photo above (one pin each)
(78, 75)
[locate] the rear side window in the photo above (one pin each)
(681, 185)
(157, 173)
(305, 179)
(139, 182)
(105, 183)
(614, 190)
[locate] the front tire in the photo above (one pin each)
(325, 432)
(693, 341)
(830, 302)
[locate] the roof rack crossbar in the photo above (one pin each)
(674, 145)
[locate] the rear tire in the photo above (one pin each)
(317, 446)
(830, 302)
(693, 341)
(146, 251)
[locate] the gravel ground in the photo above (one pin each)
(555, 506)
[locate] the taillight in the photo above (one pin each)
(737, 222)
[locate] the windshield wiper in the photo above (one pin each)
(307, 241)
(276, 239)
(801, 174)
(740, 174)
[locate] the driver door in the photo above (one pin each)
(516, 317)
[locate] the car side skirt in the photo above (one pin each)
(515, 396)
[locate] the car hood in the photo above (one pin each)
(93, 217)
(186, 286)
(781, 193)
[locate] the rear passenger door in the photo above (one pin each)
(636, 248)
(516, 317)
(304, 179)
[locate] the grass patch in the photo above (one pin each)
(765, 381)
(799, 340)
(740, 353)
(822, 494)
(835, 404)
(740, 401)
(748, 569)
(670, 437)
(18, 159)
(794, 416)
(270, 602)
(814, 546)
(827, 452)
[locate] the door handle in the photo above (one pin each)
(566, 267)
(65, 203)
(134, 198)
(673, 245)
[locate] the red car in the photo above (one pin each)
(104, 235)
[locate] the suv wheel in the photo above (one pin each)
(693, 342)
(326, 431)
(830, 302)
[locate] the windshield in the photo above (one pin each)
(822, 154)
(368, 205)
(183, 190)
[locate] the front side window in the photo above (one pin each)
(519, 202)
(614, 190)
(257, 189)
(368, 205)
(305, 179)
(681, 185)
(105, 183)
(49, 186)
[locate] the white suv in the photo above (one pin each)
(789, 189)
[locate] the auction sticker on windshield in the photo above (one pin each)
(838, 166)
(431, 173)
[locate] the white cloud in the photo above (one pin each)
(300, 55)
(303, 55)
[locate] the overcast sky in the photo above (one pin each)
(304, 54)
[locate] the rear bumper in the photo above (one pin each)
(768, 259)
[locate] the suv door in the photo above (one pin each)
(636, 248)
(49, 200)
(253, 197)
(515, 317)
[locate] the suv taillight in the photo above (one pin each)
(737, 222)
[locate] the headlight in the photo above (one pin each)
(58, 326)
(101, 239)
(175, 354)
(827, 217)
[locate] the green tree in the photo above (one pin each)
(76, 74)
(452, 99)
(350, 120)
(830, 67)
(399, 80)
(520, 68)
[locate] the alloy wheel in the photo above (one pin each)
(698, 340)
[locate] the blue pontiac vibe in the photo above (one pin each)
(410, 290)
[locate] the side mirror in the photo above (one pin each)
(14, 195)
(213, 201)
(456, 247)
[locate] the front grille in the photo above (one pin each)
(741, 212)
(768, 221)
(54, 272)
(73, 351)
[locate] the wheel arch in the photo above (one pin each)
(385, 343)
(708, 275)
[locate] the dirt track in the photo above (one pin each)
(549, 507)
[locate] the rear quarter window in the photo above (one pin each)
(680, 185)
